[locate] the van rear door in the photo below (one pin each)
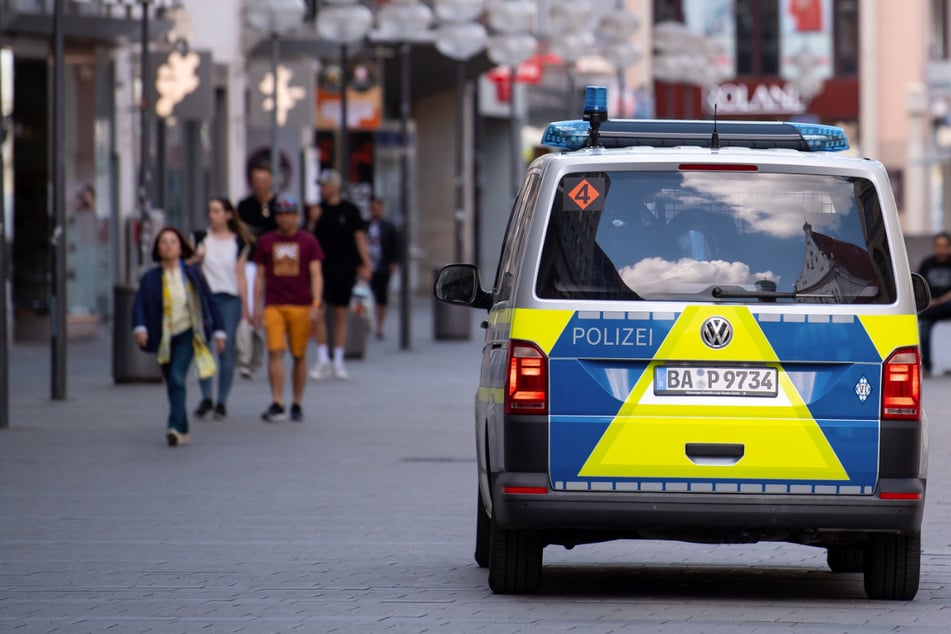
(723, 340)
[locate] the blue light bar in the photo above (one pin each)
(618, 133)
(822, 138)
(567, 135)
(595, 103)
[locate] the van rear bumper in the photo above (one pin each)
(669, 514)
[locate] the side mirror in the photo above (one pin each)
(922, 292)
(460, 284)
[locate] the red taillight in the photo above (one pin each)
(899, 495)
(526, 386)
(901, 385)
(716, 167)
(525, 490)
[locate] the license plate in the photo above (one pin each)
(714, 381)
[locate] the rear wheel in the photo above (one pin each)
(893, 567)
(845, 559)
(515, 560)
(483, 533)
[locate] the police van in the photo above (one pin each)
(700, 331)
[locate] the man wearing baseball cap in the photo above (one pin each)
(341, 232)
(287, 291)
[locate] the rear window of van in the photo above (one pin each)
(716, 235)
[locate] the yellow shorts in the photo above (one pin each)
(287, 324)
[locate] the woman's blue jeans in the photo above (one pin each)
(181, 351)
(230, 308)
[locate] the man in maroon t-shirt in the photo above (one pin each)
(287, 293)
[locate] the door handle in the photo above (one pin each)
(722, 454)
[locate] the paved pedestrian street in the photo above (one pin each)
(360, 519)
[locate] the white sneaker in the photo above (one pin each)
(340, 372)
(321, 371)
(175, 438)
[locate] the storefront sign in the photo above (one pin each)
(364, 97)
(294, 87)
(754, 99)
(183, 85)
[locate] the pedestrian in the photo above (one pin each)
(936, 269)
(287, 292)
(174, 316)
(383, 244)
(340, 230)
(222, 252)
(256, 211)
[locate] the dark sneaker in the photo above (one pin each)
(297, 415)
(203, 408)
(220, 411)
(274, 414)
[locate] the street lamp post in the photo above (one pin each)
(275, 153)
(460, 38)
(275, 17)
(615, 30)
(513, 20)
(345, 23)
(571, 38)
(58, 304)
(4, 334)
(145, 126)
(404, 21)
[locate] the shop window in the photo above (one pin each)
(938, 42)
(668, 11)
(757, 37)
(846, 39)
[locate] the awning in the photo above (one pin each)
(19, 23)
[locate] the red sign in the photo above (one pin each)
(528, 72)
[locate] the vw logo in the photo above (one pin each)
(716, 332)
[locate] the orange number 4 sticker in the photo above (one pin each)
(584, 193)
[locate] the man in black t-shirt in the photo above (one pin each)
(257, 209)
(257, 212)
(341, 233)
(937, 270)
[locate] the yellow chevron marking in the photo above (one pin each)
(781, 441)
(543, 326)
(888, 332)
(748, 344)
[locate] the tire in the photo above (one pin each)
(483, 533)
(515, 560)
(845, 559)
(893, 567)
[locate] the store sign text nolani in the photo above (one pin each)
(754, 99)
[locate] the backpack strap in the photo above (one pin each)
(198, 236)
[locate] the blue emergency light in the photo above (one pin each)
(597, 130)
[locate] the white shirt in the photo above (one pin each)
(219, 263)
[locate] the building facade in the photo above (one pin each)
(880, 69)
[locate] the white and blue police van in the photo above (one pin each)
(700, 331)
